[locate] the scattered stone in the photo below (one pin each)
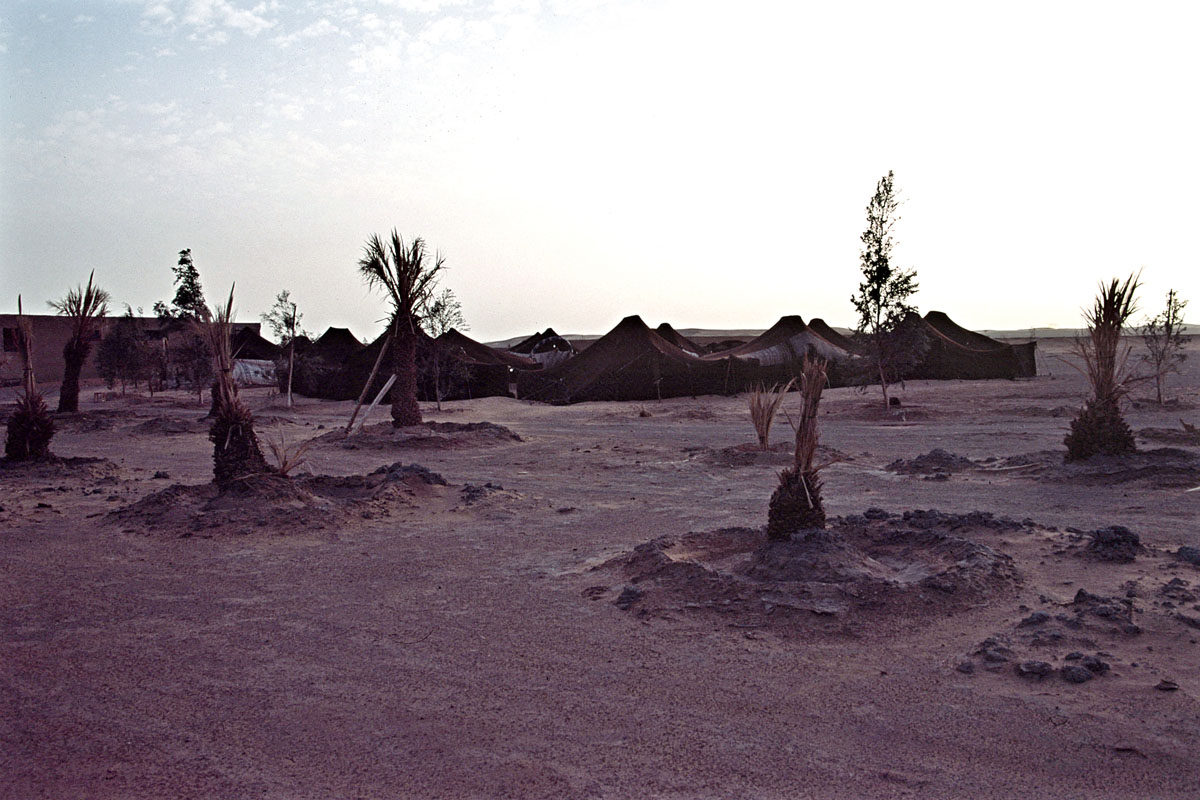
(1189, 554)
(1036, 618)
(400, 472)
(1114, 543)
(1076, 674)
(629, 596)
(1034, 669)
(994, 650)
(936, 461)
(472, 493)
(876, 514)
(1177, 590)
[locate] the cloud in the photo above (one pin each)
(210, 19)
(321, 27)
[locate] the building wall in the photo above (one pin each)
(50, 334)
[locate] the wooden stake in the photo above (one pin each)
(371, 408)
(375, 369)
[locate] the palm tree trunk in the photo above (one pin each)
(74, 354)
(405, 410)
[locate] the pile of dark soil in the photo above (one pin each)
(426, 436)
(1161, 468)
(275, 504)
(160, 426)
(1178, 435)
(934, 462)
(862, 569)
(749, 454)
(87, 421)
(56, 468)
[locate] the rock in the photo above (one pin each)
(401, 472)
(1094, 664)
(965, 667)
(993, 650)
(1073, 656)
(629, 596)
(161, 475)
(1076, 674)
(1036, 618)
(1167, 686)
(1114, 543)
(1189, 554)
(1034, 669)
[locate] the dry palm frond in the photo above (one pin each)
(812, 384)
(764, 405)
(236, 453)
(83, 305)
(217, 331)
(796, 504)
(25, 347)
(287, 457)
(30, 426)
(1105, 362)
(1100, 427)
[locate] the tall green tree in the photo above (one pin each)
(85, 307)
(190, 355)
(440, 314)
(284, 321)
(882, 298)
(408, 278)
(1163, 336)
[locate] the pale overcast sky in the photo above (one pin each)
(706, 164)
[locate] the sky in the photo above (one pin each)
(576, 161)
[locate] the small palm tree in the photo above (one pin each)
(1099, 426)
(236, 453)
(85, 306)
(796, 504)
(408, 278)
(30, 427)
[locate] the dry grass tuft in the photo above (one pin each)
(796, 503)
(764, 405)
(287, 457)
(237, 456)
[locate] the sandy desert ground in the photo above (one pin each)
(586, 607)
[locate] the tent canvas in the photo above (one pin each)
(630, 362)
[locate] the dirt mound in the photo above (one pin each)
(87, 421)
(749, 454)
(56, 468)
(160, 426)
(1179, 435)
(426, 436)
(1039, 411)
(1161, 468)
(862, 569)
(274, 504)
(931, 463)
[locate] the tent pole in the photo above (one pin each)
(362, 397)
(371, 408)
